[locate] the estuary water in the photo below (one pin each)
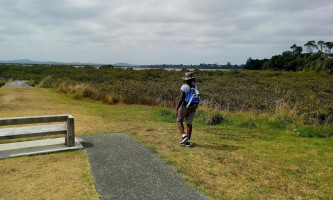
(175, 69)
(169, 69)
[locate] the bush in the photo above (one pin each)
(280, 122)
(328, 64)
(215, 119)
(46, 82)
(2, 82)
(314, 131)
(32, 82)
(111, 99)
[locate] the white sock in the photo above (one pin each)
(188, 140)
(183, 135)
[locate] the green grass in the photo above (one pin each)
(251, 156)
(247, 156)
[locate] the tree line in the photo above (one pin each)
(296, 60)
(201, 66)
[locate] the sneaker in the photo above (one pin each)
(187, 144)
(184, 139)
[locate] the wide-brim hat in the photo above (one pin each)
(188, 76)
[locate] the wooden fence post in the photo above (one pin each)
(70, 136)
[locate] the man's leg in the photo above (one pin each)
(189, 131)
(189, 119)
(182, 112)
(184, 137)
(181, 127)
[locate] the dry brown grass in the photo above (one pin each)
(63, 175)
(2, 82)
(52, 176)
(111, 99)
(83, 90)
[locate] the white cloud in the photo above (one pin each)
(159, 31)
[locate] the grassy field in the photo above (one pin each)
(247, 156)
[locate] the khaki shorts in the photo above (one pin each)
(187, 113)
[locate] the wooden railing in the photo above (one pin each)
(66, 128)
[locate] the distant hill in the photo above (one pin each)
(125, 65)
(31, 62)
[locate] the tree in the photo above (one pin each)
(298, 50)
(287, 53)
(310, 45)
(294, 48)
(329, 46)
(320, 44)
(329, 65)
(254, 64)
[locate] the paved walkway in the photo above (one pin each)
(123, 168)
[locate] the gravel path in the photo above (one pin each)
(18, 83)
(123, 168)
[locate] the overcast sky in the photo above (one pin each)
(159, 31)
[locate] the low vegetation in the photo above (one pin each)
(304, 96)
(2, 82)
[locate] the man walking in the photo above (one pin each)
(186, 110)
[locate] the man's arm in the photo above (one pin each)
(180, 101)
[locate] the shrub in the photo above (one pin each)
(215, 119)
(280, 122)
(77, 96)
(2, 82)
(317, 117)
(131, 99)
(46, 82)
(62, 87)
(314, 131)
(148, 101)
(328, 64)
(89, 92)
(32, 82)
(111, 99)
